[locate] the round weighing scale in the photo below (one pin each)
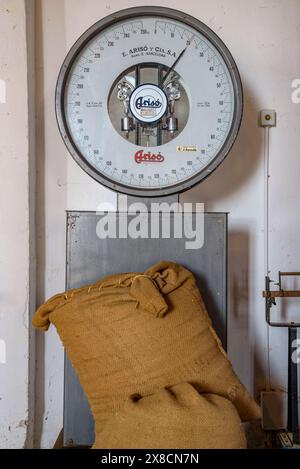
(149, 101)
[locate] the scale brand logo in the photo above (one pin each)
(147, 102)
(142, 157)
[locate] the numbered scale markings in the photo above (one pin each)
(149, 101)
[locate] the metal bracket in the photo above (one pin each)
(271, 295)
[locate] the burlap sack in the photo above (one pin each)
(137, 333)
(175, 418)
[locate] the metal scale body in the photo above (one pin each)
(148, 102)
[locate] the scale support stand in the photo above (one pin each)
(289, 438)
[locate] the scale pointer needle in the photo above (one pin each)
(172, 67)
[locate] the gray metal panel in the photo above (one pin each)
(90, 258)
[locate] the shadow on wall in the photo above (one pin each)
(241, 342)
(239, 308)
(220, 192)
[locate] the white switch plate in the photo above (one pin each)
(267, 118)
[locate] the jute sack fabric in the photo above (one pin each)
(175, 418)
(138, 333)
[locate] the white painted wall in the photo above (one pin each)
(17, 289)
(264, 38)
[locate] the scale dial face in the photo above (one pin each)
(149, 101)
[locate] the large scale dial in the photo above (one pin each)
(149, 101)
